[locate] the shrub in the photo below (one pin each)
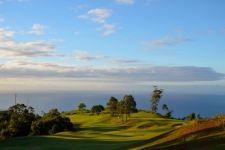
(51, 123)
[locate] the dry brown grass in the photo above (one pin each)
(193, 132)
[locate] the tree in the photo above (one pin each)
(81, 107)
(51, 123)
(130, 105)
(164, 107)
(4, 123)
(127, 106)
(17, 121)
(21, 119)
(97, 109)
(120, 108)
(168, 112)
(112, 105)
(156, 95)
(191, 117)
(199, 117)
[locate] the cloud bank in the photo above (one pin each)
(22, 69)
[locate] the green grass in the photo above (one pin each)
(142, 131)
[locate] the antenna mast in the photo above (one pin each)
(27, 102)
(15, 99)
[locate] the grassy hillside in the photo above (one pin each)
(197, 134)
(143, 131)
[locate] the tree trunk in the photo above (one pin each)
(112, 113)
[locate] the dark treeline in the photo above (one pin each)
(20, 120)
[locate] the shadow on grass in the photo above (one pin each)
(51, 143)
(61, 142)
(105, 129)
(78, 140)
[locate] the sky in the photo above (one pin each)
(113, 45)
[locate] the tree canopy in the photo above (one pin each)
(127, 106)
(191, 117)
(97, 109)
(155, 97)
(21, 121)
(164, 107)
(168, 112)
(112, 105)
(81, 107)
(51, 123)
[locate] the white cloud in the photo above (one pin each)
(6, 33)
(37, 29)
(108, 32)
(109, 29)
(100, 16)
(165, 41)
(83, 16)
(82, 53)
(149, 1)
(135, 74)
(78, 7)
(78, 32)
(86, 56)
(124, 62)
(1, 2)
(37, 32)
(2, 20)
(128, 2)
(30, 49)
(101, 57)
(10, 48)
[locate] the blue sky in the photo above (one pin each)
(112, 45)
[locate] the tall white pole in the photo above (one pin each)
(15, 99)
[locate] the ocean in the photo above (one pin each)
(206, 105)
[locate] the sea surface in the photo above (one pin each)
(207, 105)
